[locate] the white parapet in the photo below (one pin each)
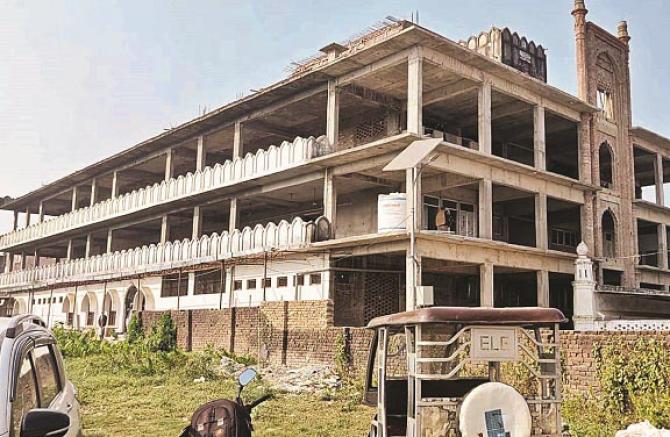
(274, 159)
(157, 257)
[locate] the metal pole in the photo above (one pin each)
(221, 284)
(51, 294)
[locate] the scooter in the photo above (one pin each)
(223, 417)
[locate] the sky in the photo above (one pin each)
(81, 80)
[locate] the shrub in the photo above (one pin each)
(135, 330)
(163, 335)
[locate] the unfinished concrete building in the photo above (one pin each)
(396, 160)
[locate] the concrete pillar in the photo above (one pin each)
(333, 114)
(36, 256)
(115, 184)
(543, 288)
(234, 219)
(662, 246)
(28, 216)
(539, 138)
(169, 164)
(238, 141)
(165, 229)
(110, 234)
(94, 191)
(9, 262)
(485, 209)
(23, 260)
(541, 232)
(330, 199)
(201, 154)
(415, 92)
(89, 244)
(40, 212)
(660, 199)
(16, 220)
(69, 249)
(190, 287)
(197, 222)
(484, 117)
(486, 285)
(414, 199)
(229, 278)
(75, 198)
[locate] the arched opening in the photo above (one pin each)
(135, 301)
(110, 308)
(609, 234)
(68, 310)
(19, 307)
(89, 307)
(605, 161)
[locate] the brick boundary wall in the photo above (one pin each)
(302, 332)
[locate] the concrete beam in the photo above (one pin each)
(450, 91)
(484, 117)
(415, 92)
(539, 138)
(382, 64)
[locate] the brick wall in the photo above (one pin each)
(302, 332)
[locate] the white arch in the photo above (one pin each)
(89, 309)
(20, 307)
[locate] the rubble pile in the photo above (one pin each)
(305, 379)
(643, 429)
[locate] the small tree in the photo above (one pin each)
(135, 330)
(163, 335)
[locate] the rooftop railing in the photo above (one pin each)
(160, 257)
(263, 162)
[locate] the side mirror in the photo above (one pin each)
(42, 422)
(247, 376)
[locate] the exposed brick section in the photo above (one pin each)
(297, 333)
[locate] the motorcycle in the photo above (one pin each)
(223, 417)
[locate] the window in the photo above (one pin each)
(26, 394)
(208, 282)
(282, 281)
(604, 102)
(267, 282)
(172, 286)
(237, 285)
(315, 278)
(300, 280)
(251, 284)
(60, 299)
(47, 375)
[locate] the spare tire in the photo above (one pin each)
(494, 409)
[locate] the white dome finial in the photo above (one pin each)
(582, 249)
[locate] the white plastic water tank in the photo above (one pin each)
(391, 212)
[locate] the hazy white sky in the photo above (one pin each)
(80, 80)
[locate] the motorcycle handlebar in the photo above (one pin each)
(258, 401)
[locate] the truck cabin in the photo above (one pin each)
(424, 364)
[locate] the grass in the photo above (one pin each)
(126, 403)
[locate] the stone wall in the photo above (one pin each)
(302, 332)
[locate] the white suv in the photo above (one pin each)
(36, 399)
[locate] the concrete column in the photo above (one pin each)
(229, 278)
(190, 286)
(539, 138)
(485, 209)
(115, 184)
(238, 141)
(75, 197)
(662, 246)
(330, 199)
(414, 199)
(197, 222)
(16, 220)
(201, 154)
(36, 255)
(660, 199)
(333, 114)
(110, 234)
(234, 219)
(9, 262)
(94, 191)
(543, 288)
(169, 164)
(89, 243)
(541, 232)
(486, 285)
(23, 260)
(484, 117)
(69, 249)
(27, 217)
(165, 229)
(415, 92)
(40, 212)
(412, 278)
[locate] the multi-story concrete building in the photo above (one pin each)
(287, 194)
